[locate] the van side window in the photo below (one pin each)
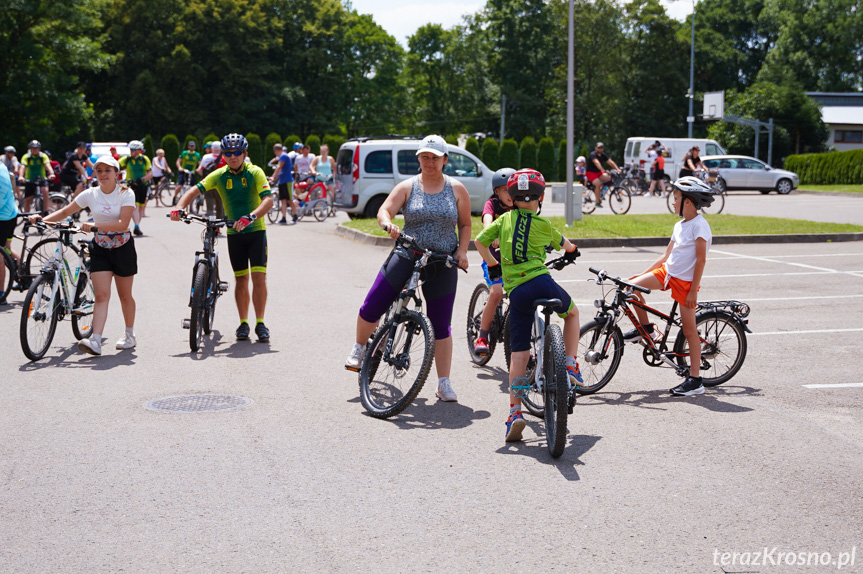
(628, 152)
(712, 149)
(408, 162)
(343, 161)
(637, 149)
(379, 162)
(461, 166)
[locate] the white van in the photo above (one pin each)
(367, 169)
(676, 148)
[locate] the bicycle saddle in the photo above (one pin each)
(547, 303)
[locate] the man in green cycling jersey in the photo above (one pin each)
(246, 196)
(138, 173)
(34, 171)
(188, 160)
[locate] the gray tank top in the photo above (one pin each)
(431, 217)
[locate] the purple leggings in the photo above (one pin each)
(439, 288)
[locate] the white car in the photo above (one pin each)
(744, 172)
(367, 170)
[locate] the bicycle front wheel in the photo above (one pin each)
(82, 307)
(319, 209)
(723, 346)
(396, 364)
(598, 355)
(9, 263)
(39, 255)
(213, 296)
(619, 201)
(588, 203)
(555, 390)
(39, 317)
(475, 308)
(199, 303)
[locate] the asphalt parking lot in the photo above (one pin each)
(302, 480)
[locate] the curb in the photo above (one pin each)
(833, 193)
(380, 241)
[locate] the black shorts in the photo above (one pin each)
(30, 188)
(248, 250)
(141, 191)
(521, 308)
(658, 174)
(181, 178)
(70, 179)
(7, 230)
(122, 261)
(286, 191)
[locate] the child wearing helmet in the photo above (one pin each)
(523, 236)
(580, 169)
(499, 203)
(680, 269)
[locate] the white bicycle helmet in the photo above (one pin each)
(136, 145)
(580, 158)
(698, 192)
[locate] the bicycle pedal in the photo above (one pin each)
(187, 323)
(223, 286)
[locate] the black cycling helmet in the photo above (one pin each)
(35, 143)
(525, 185)
(695, 190)
(501, 177)
(234, 142)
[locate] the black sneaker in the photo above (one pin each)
(690, 386)
(137, 231)
(243, 332)
(294, 218)
(262, 333)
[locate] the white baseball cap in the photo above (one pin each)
(108, 160)
(216, 146)
(434, 144)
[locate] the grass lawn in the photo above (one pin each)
(839, 188)
(656, 226)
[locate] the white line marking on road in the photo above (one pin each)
(834, 386)
(748, 299)
(806, 332)
(733, 275)
(769, 260)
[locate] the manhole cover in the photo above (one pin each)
(198, 403)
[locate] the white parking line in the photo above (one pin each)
(834, 386)
(805, 332)
(773, 260)
(733, 275)
(749, 299)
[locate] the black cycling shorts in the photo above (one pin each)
(286, 192)
(70, 179)
(7, 231)
(521, 308)
(248, 250)
(121, 261)
(30, 188)
(141, 191)
(181, 178)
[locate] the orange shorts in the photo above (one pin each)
(679, 287)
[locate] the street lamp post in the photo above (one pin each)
(570, 108)
(691, 118)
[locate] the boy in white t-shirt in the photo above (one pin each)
(680, 269)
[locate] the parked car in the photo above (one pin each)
(367, 169)
(749, 173)
(675, 148)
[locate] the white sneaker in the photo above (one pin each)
(444, 391)
(127, 341)
(355, 359)
(90, 346)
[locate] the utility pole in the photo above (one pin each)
(570, 110)
(502, 116)
(691, 118)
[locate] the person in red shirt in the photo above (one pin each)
(114, 153)
(658, 170)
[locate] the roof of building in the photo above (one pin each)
(834, 115)
(852, 99)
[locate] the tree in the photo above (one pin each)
(508, 153)
(171, 145)
(561, 161)
(256, 150)
(472, 146)
(334, 143)
(291, 140)
(528, 153)
(314, 143)
(149, 147)
(491, 153)
(545, 159)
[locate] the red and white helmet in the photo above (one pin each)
(526, 185)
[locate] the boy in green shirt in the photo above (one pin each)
(523, 236)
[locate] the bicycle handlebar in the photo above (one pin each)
(561, 262)
(602, 276)
(411, 243)
(63, 226)
(190, 217)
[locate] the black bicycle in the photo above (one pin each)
(722, 328)
(21, 271)
(478, 302)
(400, 352)
(613, 191)
(206, 286)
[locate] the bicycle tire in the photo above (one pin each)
(199, 298)
(724, 339)
(11, 273)
(319, 209)
(163, 193)
(82, 307)
(40, 253)
(210, 312)
(58, 200)
(717, 206)
(619, 200)
(598, 366)
(474, 317)
(556, 390)
(39, 317)
(588, 203)
(382, 392)
(273, 212)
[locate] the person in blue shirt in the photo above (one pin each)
(8, 218)
(93, 157)
(283, 175)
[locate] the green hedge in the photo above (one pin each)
(528, 153)
(561, 161)
(256, 150)
(832, 168)
(290, 141)
(545, 159)
(171, 145)
(334, 143)
(149, 147)
(314, 143)
(472, 146)
(491, 153)
(509, 154)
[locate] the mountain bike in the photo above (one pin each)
(160, 190)
(399, 354)
(274, 212)
(57, 199)
(48, 299)
(710, 177)
(722, 328)
(478, 301)
(206, 286)
(31, 260)
(618, 196)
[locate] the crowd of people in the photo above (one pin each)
(436, 211)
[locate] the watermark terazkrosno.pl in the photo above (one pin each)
(775, 556)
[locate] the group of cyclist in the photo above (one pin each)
(513, 247)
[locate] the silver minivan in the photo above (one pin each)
(367, 169)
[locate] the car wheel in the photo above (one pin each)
(764, 191)
(784, 186)
(373, 206)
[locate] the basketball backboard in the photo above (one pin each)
(714, 105)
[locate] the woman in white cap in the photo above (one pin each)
(113, 254)
(433, 205)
